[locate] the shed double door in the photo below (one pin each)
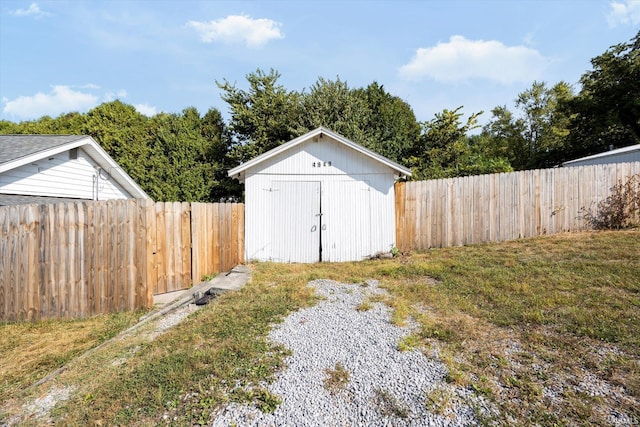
(315, 221)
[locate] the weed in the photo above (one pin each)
(409, 342)
(620, 210)
(208, 277)
(455, 376)
(378, 298)
(337, 378)
(401, 310)
(260, 397)
(389, 405)
(439, 400)
(481, 388)
(364, 306)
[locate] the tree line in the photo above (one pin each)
(186, 156)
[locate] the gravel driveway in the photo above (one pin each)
(385, 387)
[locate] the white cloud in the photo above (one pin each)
(238, 28)
(624, 13)
(64, 99)
(461, 60)
(61, 99)
(147, 110)
(111, 95)
(33, 10)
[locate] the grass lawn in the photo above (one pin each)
(29, 351)
(546, 329)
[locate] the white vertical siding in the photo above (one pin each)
(357, 204)
(60, 176)
(295, 227)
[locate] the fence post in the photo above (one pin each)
(399, 189)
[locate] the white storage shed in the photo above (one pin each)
(319, 197)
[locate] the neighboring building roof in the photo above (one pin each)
(18, 199)
(14, 147)
(319, 132)
(625, 150)
(18, 150)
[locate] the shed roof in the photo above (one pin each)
(19, 150)
(239, 171)
(623, 150)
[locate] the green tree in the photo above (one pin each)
(121, 130)
(219, 155)
(268, 115)
(173, 157)
(535, 138)
(444, 149)
(182, 167)
(607, 109)
(67, 124)
(334, 105)
(369, 116)
(9, 128)
(391, 126)
(262, 117)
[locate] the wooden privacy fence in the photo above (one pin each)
(78, 259)
(499, 207)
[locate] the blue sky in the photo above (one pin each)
(166, 55)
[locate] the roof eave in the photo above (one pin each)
(239, 171)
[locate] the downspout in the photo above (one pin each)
(95, 187)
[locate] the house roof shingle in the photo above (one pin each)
(13, 147)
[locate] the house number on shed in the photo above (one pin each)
(320, 164)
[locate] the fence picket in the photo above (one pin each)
(498, 207)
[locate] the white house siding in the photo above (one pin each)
(356, 194)
(61, 176)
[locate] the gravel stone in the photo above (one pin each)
(386, 387)
(39, 409)
(171, 319)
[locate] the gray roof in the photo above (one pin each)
(13, 147)
(19, 199)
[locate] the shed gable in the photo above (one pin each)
(316, 135)
(322, 157)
